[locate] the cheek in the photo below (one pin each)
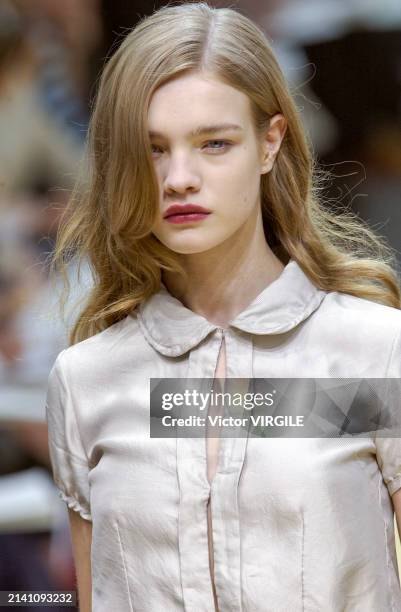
(244, 172)
(242, 190)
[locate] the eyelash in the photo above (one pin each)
(225, 142)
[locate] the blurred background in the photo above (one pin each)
(343, 62)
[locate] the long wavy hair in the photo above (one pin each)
(109, 217)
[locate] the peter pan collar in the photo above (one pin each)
(173, 329)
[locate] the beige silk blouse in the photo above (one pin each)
(295, 524)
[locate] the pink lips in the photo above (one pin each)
(187, 217)
(185, 213)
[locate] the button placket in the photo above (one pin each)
(224, 489)
(194, 495)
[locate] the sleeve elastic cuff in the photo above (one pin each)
(75, 505)
(393, 484)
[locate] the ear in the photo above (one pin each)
(271, 141)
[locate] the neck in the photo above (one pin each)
(224, 280)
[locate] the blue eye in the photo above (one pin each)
(224, 142)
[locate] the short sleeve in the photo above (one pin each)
(388, 439)
(388, 453)
(67, 455)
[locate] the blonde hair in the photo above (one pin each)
(109, 221)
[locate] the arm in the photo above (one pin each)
(81, 537)
(397, 508)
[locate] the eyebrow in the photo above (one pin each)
(205, 129)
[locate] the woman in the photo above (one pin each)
(193, 111)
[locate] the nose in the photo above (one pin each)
(181, 174)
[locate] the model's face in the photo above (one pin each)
(219, 170)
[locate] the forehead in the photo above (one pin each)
(195, 99)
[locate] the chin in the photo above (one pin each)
(190, 249)
(189, 245)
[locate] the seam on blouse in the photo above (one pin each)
(237, 481)
(393, 345)
(385, 526)
(302, 561)
(124, 566)
(389, 362)
(63, 379)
